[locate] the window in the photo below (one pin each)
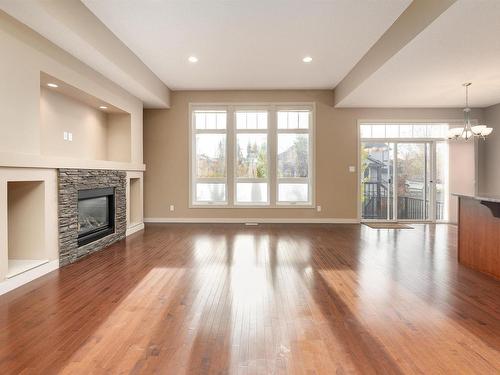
(252, 167)
(210, 157)
(404, 130)
(293, 156)
(252, 155)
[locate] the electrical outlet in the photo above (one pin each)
(318, 208)
(70, 137)
(172, 208)
(65, 136)
(352, 168)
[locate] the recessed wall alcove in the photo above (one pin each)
(73, 124)
(26, 226)
(135, 202)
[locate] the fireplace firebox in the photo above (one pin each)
(96, 214)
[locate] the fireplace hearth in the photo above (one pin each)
(96, 214)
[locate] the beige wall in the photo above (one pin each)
(166, 147)
(24, 55)
(96, 134)
(489, 154)
(118, 137)
(462, 173)
(60, 113)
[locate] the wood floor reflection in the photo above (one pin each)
(272, 299)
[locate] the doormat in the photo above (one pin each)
(388, 226)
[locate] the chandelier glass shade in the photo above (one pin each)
(468, 131)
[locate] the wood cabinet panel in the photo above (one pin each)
(478, 237)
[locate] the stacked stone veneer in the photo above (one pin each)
(72, 180)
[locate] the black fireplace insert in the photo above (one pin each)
(96, 214)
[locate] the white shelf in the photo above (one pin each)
(18, 266)
(18, 160)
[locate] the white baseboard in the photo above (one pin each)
(134, 228)
(252, 220)
(25, 277)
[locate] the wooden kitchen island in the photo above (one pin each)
(479, 233)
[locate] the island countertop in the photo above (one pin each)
(480, 197)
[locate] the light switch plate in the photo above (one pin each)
(172, 208)
(352, 168)
(65, 136)
(70, 137)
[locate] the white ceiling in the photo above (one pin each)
(462, 45)
(259, 44)
(74, 28)
(248, 44)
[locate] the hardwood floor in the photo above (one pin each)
(272, 299)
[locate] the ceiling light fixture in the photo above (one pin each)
(307, 59)
(468, 131)
(53, 85)
(103, 107)
(192, 59)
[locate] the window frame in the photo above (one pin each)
(236, 179)
(411, 123)
(194, 180)
(408, 121)
(272, 156)
(311, 162)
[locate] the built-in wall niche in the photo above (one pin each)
(26, 226)
(75, 124)
(135, 202)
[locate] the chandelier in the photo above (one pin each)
(468, 131)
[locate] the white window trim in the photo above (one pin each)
(192, 161)
(267, 131)
(272, 132)
(312, 159)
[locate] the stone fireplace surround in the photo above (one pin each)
(70, 181)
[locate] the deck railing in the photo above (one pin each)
(375, 204)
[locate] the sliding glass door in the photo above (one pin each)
(404, 171)
(403, 180)
(413, 181)
(377, 192)
(441, 181)
(396, 180)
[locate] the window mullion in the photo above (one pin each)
(293, 180)
(294, 131)
(272, 155)
(210, 131)
(231, 154)
(251, 180)
(210, 180)
(251, 131)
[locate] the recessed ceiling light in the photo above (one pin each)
(192, 59)
(53, 85)
(103, 107)
(307, 59)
